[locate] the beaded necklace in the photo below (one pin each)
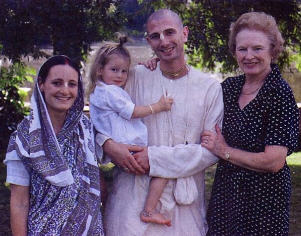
(169, 90)
(174, 74)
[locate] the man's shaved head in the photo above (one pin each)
(161, 14)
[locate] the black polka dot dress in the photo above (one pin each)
(246, 202)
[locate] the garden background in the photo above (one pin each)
(33, 30)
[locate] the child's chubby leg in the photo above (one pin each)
(149, 213)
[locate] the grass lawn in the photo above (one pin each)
(4, 203)
(294, 161)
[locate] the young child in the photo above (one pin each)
(114, 114)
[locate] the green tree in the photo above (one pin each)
(69, 26)
(12, 108)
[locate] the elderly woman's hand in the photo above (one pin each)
(150, 64)
(214, 142)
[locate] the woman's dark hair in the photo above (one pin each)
(53, 61)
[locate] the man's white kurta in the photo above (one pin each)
(198, 106)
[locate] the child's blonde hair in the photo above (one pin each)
(102, 57)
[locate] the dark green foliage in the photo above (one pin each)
(12, 112)
(69, 26)
(16, 29)
(12, 108)
(136, 15)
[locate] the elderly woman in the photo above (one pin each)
(252, 186)
(51, 166)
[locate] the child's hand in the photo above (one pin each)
(150, 64)
(165, 103)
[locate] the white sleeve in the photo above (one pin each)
(186, 160)
(113, 98)
(131, 85)
(100, 139)
(17, 173)
(179, 161)
(119, 101)
(97, 98)
(16, 170)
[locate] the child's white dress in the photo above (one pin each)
(111, 109)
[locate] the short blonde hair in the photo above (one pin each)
(102, 57)
(257, 21)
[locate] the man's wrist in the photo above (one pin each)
(100, 139)
(107, 145)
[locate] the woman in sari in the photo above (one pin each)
(51, 164)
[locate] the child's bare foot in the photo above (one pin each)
(154, 217)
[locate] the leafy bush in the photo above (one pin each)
(12, 109)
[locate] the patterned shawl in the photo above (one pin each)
(65, 188)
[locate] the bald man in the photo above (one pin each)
(174, 151)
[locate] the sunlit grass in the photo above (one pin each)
(294, 162)
(107, 167)
(294, 159)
